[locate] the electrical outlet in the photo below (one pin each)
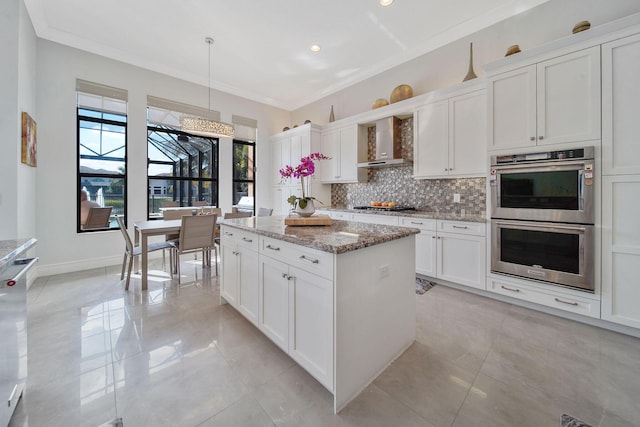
(456, 198)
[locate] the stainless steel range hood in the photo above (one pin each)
(388, 145)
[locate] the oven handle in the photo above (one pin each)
(543, 167)
(530, 225)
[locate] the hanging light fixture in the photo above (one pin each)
(206, 127)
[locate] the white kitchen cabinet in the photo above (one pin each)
(287, 148)
(451, 137)
(296, 301)
(311, 323)
(621, 249)
(274, 301)
(239, 259)
(426, 248)
(347, 147)
(461, 259)
(620, 106)
(551, 102)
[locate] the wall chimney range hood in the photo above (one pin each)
(388, 145)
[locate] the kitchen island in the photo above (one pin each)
(339, 299)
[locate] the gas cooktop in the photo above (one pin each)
(386, 208)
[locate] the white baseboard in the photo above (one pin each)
(85, 264)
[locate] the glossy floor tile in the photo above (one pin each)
(174, 356)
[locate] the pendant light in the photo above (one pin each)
(206, 127)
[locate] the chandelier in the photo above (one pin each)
(206, 127)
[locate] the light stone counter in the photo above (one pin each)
(340, 237)
(449, 216)
(11, 249)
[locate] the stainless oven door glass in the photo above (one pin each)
(543, 192)
(558, 253)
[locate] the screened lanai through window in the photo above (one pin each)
(182, 169)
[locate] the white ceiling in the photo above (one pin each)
(261, 48)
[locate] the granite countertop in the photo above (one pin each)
(449, 216)
(340, 237)
(11, 249)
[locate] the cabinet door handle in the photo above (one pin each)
(445, 169)
(566, 302)
(226, 233)
(284, 275)
(234, 252)
(311, 260)
(541, 137)
(510, 289)
(533, 138)
(460, 227)
(247, 240)
(433, 237)
(417, 223)
(273, 248)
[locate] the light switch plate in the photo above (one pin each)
(456, 198)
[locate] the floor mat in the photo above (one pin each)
(423, 285)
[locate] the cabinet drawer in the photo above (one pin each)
(583, 306)
(421, 223)
(245, 239)
(311, 260)
(460, 227)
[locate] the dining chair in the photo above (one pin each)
(232, 215)
(98, 218)
(196, 235)
(133, 251)
(264, 212)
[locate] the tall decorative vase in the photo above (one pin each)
(332, 116)
(470, 74)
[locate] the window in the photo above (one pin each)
(244, 166)
(182, 170)
(244, 175)
(102, 150)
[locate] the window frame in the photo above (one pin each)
(251, 144)
(214, 180)
(83, 175)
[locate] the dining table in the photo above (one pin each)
(145, 229)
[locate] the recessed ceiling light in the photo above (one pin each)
(315, 47)
(386, 2)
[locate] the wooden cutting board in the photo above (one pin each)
(310, 220)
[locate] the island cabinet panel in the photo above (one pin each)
(274, 301)
(311, 324)
(239, 267)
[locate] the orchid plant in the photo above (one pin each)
(305, 169)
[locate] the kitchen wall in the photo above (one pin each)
(18, 94)
(61, 248)
(447, 65)
(396, 184)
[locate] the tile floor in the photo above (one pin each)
(173, 356)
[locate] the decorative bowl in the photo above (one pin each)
(380, 102)
(401, 93)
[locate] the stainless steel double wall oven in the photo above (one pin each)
(542, 216)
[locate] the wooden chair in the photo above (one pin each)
(176, 213)
(132, 251)
(98, 218)
(196, 234)
(264, 212)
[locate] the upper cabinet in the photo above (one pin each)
(347, 147)
(287, 148)
(620, 106)
(450, 137)
(551, 102)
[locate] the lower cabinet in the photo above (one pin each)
(461, 259)
(239, 259)
(426, 248)
(620, 249)
(296, 306)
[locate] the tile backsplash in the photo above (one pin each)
(396, 184)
